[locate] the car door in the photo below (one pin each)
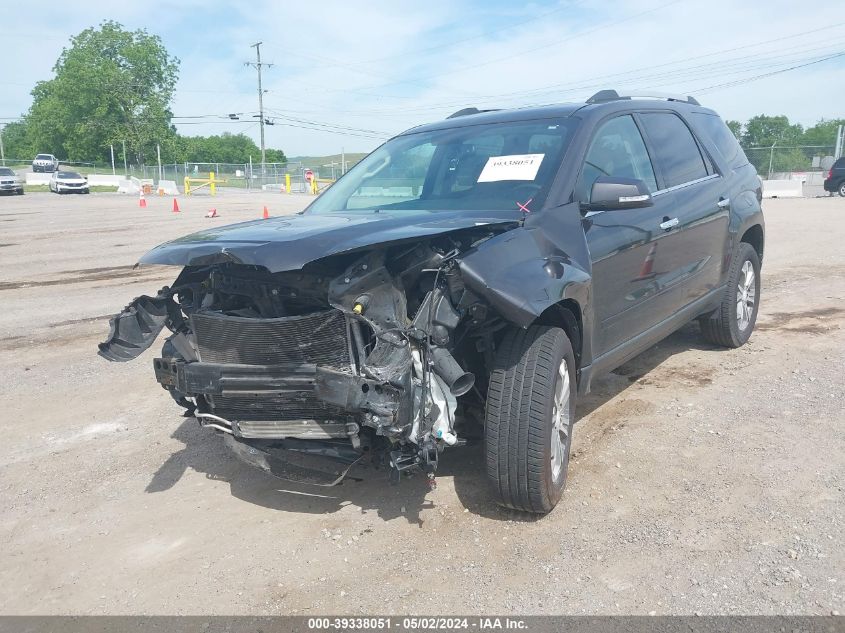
(692, 253)
(625, 245)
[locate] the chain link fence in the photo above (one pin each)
(242, 176)
(245, 176)
(809, 163)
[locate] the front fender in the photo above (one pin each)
(523, 272)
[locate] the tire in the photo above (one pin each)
(727, 326)
(532, 367)
(841, 189)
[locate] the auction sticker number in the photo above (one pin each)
(512, 167)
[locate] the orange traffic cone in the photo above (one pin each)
(142, 201)
(266, 213)
(212, 213)
(175, 206)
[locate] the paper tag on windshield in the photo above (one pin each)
(513, 167)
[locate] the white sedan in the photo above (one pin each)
(68, 182)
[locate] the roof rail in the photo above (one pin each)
(468, 111)
(603, 96)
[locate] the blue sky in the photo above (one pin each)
(349, 74)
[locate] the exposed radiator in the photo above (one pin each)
(319, 339)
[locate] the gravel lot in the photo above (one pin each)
(702, 481)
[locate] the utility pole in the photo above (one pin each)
(257, 65)
(2, 151)
(771, 159)
(125, 168)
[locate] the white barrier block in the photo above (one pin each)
(167, 188)
(128, 185)
(37, 179)
(783, 189)
(104, 180)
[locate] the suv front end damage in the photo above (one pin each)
(361, 357)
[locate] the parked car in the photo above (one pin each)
(467, 280)
(68, 182)
(45, 162)
(835, 181)
(10, 181)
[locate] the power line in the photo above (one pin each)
(776, 72)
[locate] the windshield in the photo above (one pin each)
(478, 167)
(5, 171)
(44, 157)
(68, 174)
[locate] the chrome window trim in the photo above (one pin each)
(660, 192)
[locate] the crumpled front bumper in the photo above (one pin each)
(245, 396)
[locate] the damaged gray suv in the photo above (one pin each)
(466, 280)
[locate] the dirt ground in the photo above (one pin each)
(702, 481)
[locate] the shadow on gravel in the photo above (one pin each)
(369, 489)
(468, 468)
(365, 488)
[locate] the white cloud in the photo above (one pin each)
(323, 70)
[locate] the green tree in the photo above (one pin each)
(110, 85)
(275, 156)
(223, 148)
(765, 131)
(17, 142)
(823, 133)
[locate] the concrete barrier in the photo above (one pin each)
(104, 180)
(128, 185)
(783, 189)
(95, 180)
(37, 179)
(167, 188)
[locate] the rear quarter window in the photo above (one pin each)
(675, 148)
(715, 129)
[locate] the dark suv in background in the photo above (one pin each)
(835, 181)
(467, 280)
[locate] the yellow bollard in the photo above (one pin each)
(287, 183)
(211, 184)
(314, 185)
(187, 186)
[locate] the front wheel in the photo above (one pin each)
(732, 323)
(529, 418)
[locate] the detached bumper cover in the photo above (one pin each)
(322, 464)
(137, 326)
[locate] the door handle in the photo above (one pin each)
(724, 203)
(669, 224)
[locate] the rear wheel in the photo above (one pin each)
(732, 323)
(530, 412)
(842, 189)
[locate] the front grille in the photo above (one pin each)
(317, 339)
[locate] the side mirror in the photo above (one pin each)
(614, 192)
